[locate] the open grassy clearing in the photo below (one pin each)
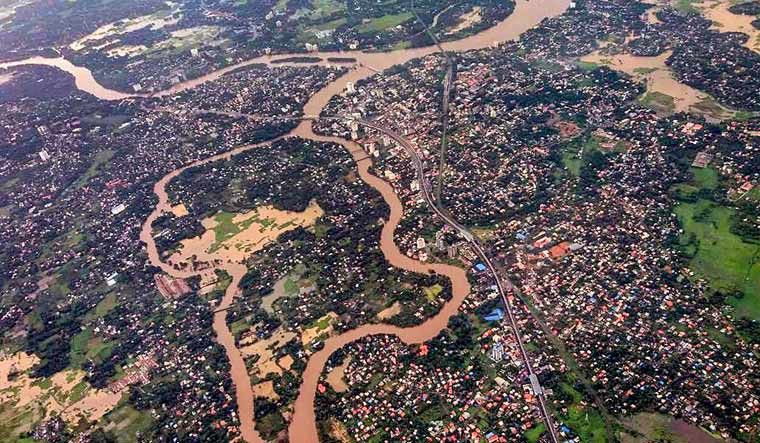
(729, 262)
(584, 421)
(126, 422)
(658, 101)
(432, 292)
(385, 22)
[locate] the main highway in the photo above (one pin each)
(503, 284)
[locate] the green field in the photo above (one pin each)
(644, 71)
(571, 162)
(686, 6)
(584, 421)
(227, 228)
(382, 23)
(324, 8)
(126, 422)
(587, 66)
(720, 256)
(658, 101)
(534, 433)
(433, 291)
(726, 260)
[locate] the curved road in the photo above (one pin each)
(503, 284)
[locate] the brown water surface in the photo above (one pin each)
(303, 426)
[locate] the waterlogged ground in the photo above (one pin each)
(66, 394)
(664, 93)
(231, 238)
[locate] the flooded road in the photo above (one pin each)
(303, 427)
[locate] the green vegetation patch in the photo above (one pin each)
(321, 324)
(572, 162)
(290, 286)
(586, 422)
(127, 422)
(658, 101)
(534, 434)
(238, 327)
(78, 352)
(587, 66)
(225, 228)
(99, 159)
(106, 305)
(382, 23)
(729, 263)
(432, 292)
(686, 6)
(270, 425)
(644, 71)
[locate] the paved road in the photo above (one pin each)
(502, 283)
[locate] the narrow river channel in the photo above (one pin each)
(303, 427)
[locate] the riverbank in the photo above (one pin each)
(303, 427)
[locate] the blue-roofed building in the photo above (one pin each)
(495, 315)
(480, 267)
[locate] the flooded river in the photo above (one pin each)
(303, 427)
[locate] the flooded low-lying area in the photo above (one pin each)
(65, 393)
(335, 377)
(234, 237)
(724, 20)
(302, 427)
(654, 73)
(663, 89)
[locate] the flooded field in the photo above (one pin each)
(65, 393)
(303, 426)
(469, 19)
(335, 377)
(726, 21)
(234, 237)
(264, 349)
(672, 95)
(4, 78)
(390, 311)
(654, 72)
(154, 21)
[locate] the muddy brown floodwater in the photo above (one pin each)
(654, 73)
(303, 427)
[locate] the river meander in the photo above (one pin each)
(303, 427)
